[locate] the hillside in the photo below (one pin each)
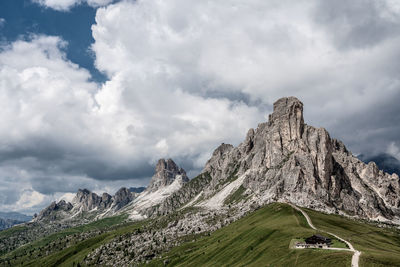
(263, 236)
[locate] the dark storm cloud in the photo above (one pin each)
(371, 131)
(41, 155)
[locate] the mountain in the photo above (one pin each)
(7, 223)
(286, 160)
(88, 206)
(168, 179)
(384, 161)
(9, 219)
(282, 160)
(15, 216)
(166, 173)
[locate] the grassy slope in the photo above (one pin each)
(12, 231)
(379, 246)
(97, 225)
(260, 239)
(76, 253)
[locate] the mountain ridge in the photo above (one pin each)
(282, 160)
(287, 160)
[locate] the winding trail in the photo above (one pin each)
(356, 254)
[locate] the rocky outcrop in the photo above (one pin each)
(384, 161)
(167, 179)
(122, 198)
(54, 211)
(287, 160)
(166, 172)
(86, 200)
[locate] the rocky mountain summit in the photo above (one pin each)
(86, 201)
(166, 172)
(168, 178)
(287, 160)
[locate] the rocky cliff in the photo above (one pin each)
(287, 160)
(166, 172)
(168, 178)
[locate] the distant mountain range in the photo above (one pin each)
(9, 219)
(15, 216)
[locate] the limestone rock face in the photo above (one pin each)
(106, 200)
(287, 160)
(122, 198)
(87, 200)
(166, 172)
(53, 209)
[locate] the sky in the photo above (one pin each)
(94, 92)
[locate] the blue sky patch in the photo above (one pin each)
(22, 18)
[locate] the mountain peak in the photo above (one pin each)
(288, 116)
(166, 172)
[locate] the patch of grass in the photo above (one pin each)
(336, 243)
(77, 252)
(259, 239)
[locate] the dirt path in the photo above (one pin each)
(356, 254)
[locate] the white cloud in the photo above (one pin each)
(65, 5)
(2, 22)
(59, 132)
(263, 50)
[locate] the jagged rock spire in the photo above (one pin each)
(166, 173)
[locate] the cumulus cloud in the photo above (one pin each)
(60, 132)
(260, 51)
(65, 5)
(184, 76)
